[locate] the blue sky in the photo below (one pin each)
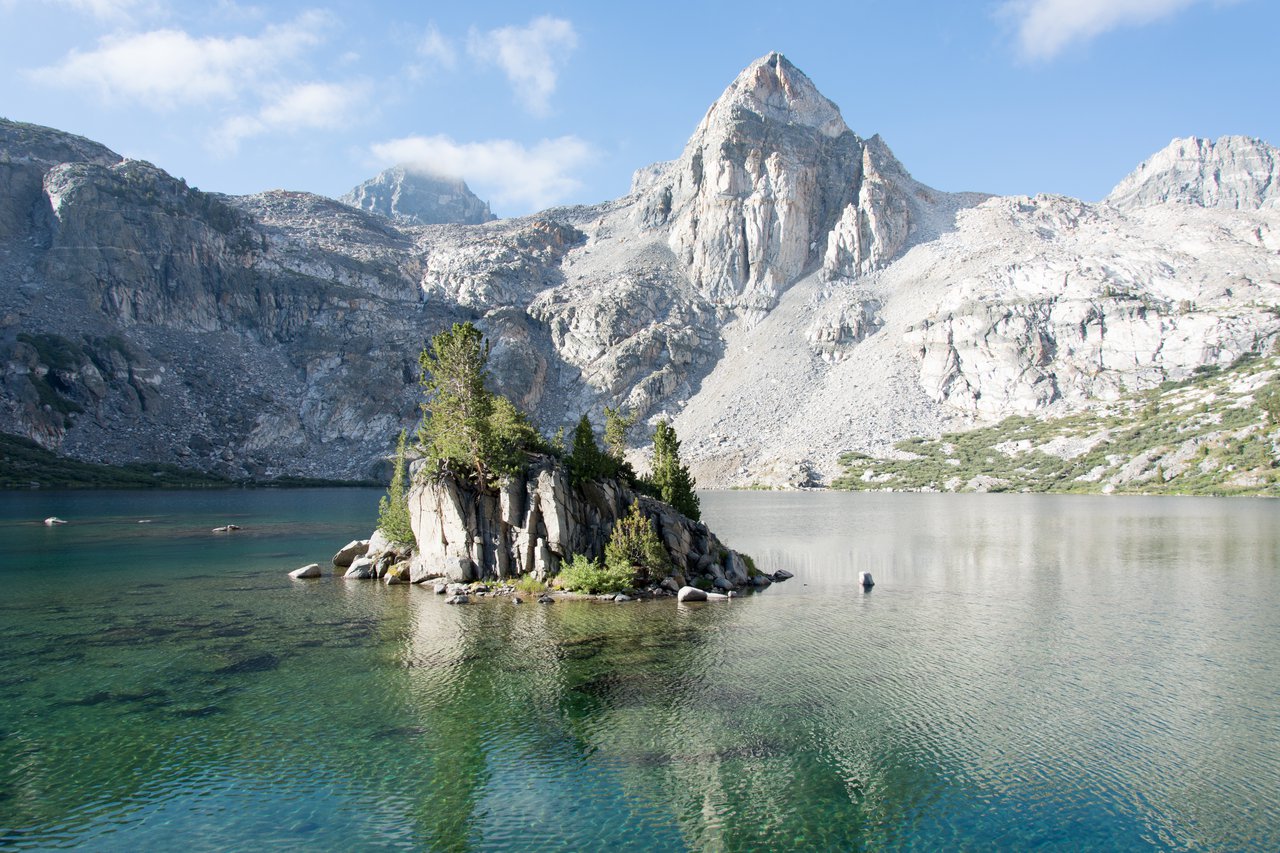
(559, 102)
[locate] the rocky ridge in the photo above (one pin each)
(784, 289)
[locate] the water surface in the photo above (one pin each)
(1062, 672)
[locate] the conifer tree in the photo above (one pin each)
(466, 428)
(393, 509)
(673, 481)
(616, 427)
(455, 427)
(586, 462)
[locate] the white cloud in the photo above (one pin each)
(436, 46)
(530, 56)
(169, 68)
(507, 171)
(1047, 27)
(307, 106)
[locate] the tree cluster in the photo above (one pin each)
(466, 428)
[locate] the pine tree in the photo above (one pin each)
(393, 509)
(616, 427)
(585, 461)
(673, 481)
(455, 427)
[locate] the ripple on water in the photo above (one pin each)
(1110, 688)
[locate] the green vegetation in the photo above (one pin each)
(634, 547)
(1214, 433)
(467, 429)
(530, 585)
(616, 427)
(585, 461)
(674, 483)
(393, 508)
(582, 574)
(634, 557)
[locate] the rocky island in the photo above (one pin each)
(492, 503)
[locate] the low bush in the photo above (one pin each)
(582, 574)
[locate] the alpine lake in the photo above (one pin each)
(1030, 671)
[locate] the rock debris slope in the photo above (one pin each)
(784, 289)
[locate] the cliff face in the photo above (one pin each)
(784, 291)
(539, 519)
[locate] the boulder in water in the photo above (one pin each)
(311, 571)
(690, 593)
(362, 569)
(866, 580)
(348, 553)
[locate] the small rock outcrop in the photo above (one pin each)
(349, 552)
(408, 195)
(308, 571)
(536, 520)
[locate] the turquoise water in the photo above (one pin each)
(1030, 671)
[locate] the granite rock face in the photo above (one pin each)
(784, 291)
(773, 185)
(406, 195)
(535, 521)
(1234, 173)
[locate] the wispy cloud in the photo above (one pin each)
(112, 10)
(164, 69)
(510, 173)
(530, 56)
(437, 47)
(307, 106)
(1047, 27)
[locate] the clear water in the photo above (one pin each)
(1056, 672)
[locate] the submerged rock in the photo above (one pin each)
(457, 599)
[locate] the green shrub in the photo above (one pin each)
(530, 585)
(634, 548)
(582, 574)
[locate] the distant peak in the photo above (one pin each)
(1235, 172)
(413, 194)
(773, 88)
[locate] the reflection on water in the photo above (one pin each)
(1029, 670)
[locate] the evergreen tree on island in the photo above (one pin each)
(674, 483)
(468, 430)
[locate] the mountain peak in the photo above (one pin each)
(407, 194)
(774, 89)
(1235, 173)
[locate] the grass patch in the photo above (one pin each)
(1190, 436)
